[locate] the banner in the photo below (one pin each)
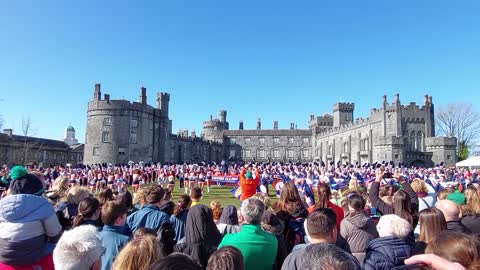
(227, 180)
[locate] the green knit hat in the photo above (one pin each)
(248, 175)
(457, 197)
(18, 172)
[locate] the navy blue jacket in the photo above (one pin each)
(387, 252)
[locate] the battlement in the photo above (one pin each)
(441, 142)
(344, 106)
(120, 104)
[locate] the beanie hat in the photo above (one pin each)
(248, 175)
(27, 184)
(18, 172)
(457, 197)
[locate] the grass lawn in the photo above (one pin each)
(218, 193)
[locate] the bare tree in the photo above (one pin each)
(462, 121)
(27, 131)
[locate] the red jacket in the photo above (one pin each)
(248, 186)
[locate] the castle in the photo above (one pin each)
(119, 131)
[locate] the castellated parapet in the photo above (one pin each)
(119, 131)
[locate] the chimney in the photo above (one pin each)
(185, 133)
(107, 97)
(143, 95)
(312, 117)
(292, 125)
(240, 125)
(97, 94)
(397, 98)
(275, 124)
(259, 123)
(193, 134)
(8, 131)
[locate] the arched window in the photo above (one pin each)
(413, 141)
(419, 141)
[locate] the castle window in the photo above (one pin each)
(449, 157)
(247, 139)
(72, 158)
(54, 156)
(345, 147)
(107, 121)
(276, 153)
(133, 138)
(330, 150)
(261, 140)
(305, 139)
(276, 140)
(289, 153)
(248, 153)
(133, 123)
(106, 137)
(364, 144)
(121, 151)
(96, 151)
(396, 156)
(290, 140)
(261, 153)
(233, 140)
(304, 153)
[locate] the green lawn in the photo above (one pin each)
(218, 193)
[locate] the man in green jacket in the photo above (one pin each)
(259, 248)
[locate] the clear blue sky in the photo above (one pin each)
(278, 60)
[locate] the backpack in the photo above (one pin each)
(295, 232)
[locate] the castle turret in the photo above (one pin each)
(69, 137)
(240, 125)
(163, 100)
(342, 113)
(259, 123)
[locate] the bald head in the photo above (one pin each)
(450, 210)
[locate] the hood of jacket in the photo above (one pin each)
(395, 250)
(24, 208)
(358, 220)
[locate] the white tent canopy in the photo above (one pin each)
(472, 162)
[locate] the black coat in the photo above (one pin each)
(472, 222)
(387, 252)
(457, 226)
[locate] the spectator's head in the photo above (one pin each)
(138, 254)
(450, 210)
(289, 198)
(196, 194)
(226, 258)
(175, 261)
(272, 224)
(456, 247)
(114, 213)
(393, 225)
(24, 183)
(77, 194)
(252, 211)
(432, 223)
(356, 203)
(142, 232)
(168, 195)
(327, 257)
(264, 198)
(472, 198)
(402, 205)
(79, 249)
(88, 209)
(125, 197)
(229, 215)
(216, 207)
(323, 195)
(442, 194)
(419, 186)
(105, 195)
(321, 226)
(154, 195)
(139, 197)
(183, 203)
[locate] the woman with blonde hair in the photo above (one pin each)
(471, 210)
(138, 254)
(216, 207)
